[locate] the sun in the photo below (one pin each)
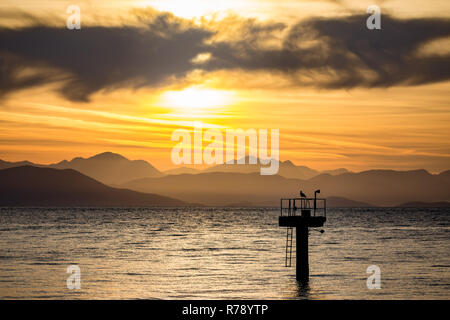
(195, 98)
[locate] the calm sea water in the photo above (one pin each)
(188, 253)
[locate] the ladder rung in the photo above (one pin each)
(289, 236)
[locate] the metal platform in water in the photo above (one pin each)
(301, 213)
(309, 212)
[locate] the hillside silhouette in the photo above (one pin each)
(416, 204)
(374, 187)
(34, 186)
(107, 167)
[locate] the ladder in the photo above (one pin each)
(289, 236)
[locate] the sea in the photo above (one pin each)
(220, 253)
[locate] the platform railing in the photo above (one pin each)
(297, 206)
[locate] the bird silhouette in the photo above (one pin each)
(302, 194)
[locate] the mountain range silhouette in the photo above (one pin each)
(222, 185)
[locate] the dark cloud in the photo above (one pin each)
(96, 58)
(343, 53)
(326, 53)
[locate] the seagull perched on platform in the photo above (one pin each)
(302, 194)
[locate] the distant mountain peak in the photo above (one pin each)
(288, 163)
(108, 156)
(110, 168)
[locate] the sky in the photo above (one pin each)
(341, 95)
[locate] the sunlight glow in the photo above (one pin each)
(187, 9)
(195, 98)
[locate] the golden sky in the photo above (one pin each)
(399, 122)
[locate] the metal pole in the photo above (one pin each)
(302, 253)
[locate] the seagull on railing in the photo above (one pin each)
(302, 194)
